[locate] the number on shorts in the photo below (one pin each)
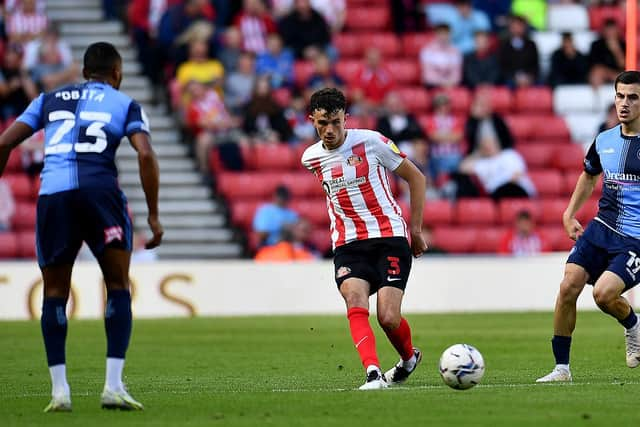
(394, 265)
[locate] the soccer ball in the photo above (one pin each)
(461, 366)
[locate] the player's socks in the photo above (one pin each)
(400, 338)
(362, 336)
(630, 321)
(54, 331)
(117, 323)
(561, 347)
(59, 384)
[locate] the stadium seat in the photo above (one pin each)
(301, 183)
(368, 18)
(278, 157)
(500, 96)
(575, 98)
(537, 156)
(475, 212)
(243, 211)
(315, 210)
(24, 217)
(488, 239)
(551, 210)
(587, 211)
(567, 17)
(549, 127)
(321, 238)
(426, 122)
(536, 99)
(459, 96)
(583, 126)
(27, 244)
(569, 157)
(509, 208)
(349, 45)
(415, 99)
(520, 125)
(348, 69)
(405, 71)
(548, 41)
(548, 182)
(247, 185)
(436, 212)
(571, 178)
(413, 43)
(21, 186)
(302, 71)
(598, 15)
(556, 237)
(354, 45)
(455, 239)
(8, 245)
(14, 164)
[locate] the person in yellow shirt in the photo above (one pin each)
(200, 67)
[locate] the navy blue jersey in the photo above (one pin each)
(83, 125)
(618, 157)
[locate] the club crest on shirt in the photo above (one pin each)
(342, 271)
(354, 160)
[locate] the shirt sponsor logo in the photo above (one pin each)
(608, 151)
(337, 184)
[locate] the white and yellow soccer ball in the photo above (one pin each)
(461, 366)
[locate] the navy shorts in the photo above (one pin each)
(98, 217)
(601, 249)
(384, 261)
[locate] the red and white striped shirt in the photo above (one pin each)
(20, 24)
(354, 177)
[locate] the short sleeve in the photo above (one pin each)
(137, 120)
(32, 116)
(388, 153)
(592, 164)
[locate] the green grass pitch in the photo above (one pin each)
(303, 371)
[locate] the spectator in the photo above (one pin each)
(372, 81)
(610, 120)
(518, 55)
(26, 22)
(16, 87)
(334, 12)
(445, 132)
(406, 16)
(7, 206)
(208, 121)
(292, 245)
(323, 75)
(239, 85)
(264, 118)
(231, 49)
(276, 62)
(200, 67)
(497, 11)
(483, 122)
(53, 65)
(523, 239)
(305, 30)
(298, 118)
(144, 17)
(175, 21)
(502, 173)
(607, 55)
(568, 65)
(440, 60)
(271, 218)
(255, 24)
(396, 123)
(32, 150)
(467, 21)
(480, 67)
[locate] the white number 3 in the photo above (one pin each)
(98, 121)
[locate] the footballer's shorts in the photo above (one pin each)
(601, 249)
(98, 217)
(384, 261)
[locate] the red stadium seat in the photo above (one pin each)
(8, 245)
(475, 212)
(14, 164)
(548, 182)
(243, 211)
(437, 212)
(588, 211)
(520, 126)
(549, 127)
(415, 98)
(488, 239)
(538, 99)
(556, 237)
(537, 156)
(24, 217)
(21, 187)
(302, 71)
(598, 15)
(302, 184)
(348, 69)
(509, 208)
(551, 210)
(349, 45)
(405, 71)
(27, 244)
(274, 157)
(369, 18)
(455, 239)
(354, 45)
(247, 185)
(569, 157)
(315, 210)
(500, 96)
(413, 43)
(321, 239)
(460, 98)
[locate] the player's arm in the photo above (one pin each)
(584, 188)
(150, 178)
(417, 187)
(11, 138)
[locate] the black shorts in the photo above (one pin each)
(384, 261)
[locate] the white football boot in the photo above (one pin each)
(632, 340)
(559, 374)
(375, 381)
(119, 400)
(59, 403)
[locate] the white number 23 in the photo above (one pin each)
(98, 121)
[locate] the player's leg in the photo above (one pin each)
(564, 321)
(398, 332)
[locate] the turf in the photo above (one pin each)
(303, 371)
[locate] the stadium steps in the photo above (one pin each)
(195, 223)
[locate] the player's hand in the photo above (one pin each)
(157, 230)
(418, 245)
(573, 228)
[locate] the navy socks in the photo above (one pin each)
(117, 322)
(561, 347)
(54, 329)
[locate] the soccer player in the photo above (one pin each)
(80, 201)
(370, 238)
(607, 252)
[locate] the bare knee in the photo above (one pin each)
(570, 288)
(388, 319)
(604, 297)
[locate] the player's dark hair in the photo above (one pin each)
(101, 59)
(329, 99)
(627, 78)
